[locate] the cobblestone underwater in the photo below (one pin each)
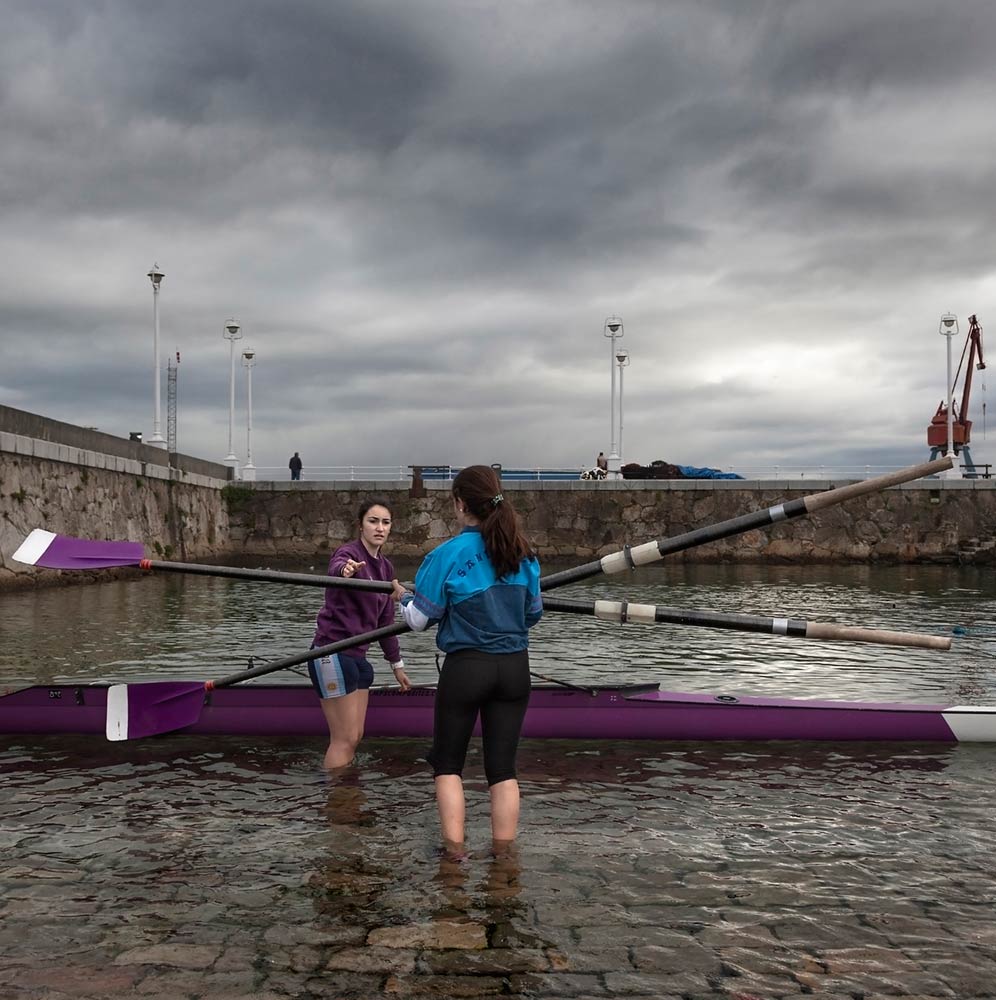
(184, 867)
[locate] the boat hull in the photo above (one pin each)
(632, 713)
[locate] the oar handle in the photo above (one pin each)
(624, 611)
(292, 661)
(850, 633)
(844, 493)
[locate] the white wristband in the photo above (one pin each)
(400, 665)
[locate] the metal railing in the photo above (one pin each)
(403, 473)
(982, 471)
(338, 473)
(522, 474)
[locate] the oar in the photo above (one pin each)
(52, 551)
(623, 611)
(149, 709)
(641, 555)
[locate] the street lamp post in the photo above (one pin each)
(948, 329)
(622, 360)
(231, 333)
(249, 361)
(613, 329)
(156, 276)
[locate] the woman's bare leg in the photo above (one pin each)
(345, 717)
(504, 810)
(452, 808)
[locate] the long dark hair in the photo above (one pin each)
(479, 487)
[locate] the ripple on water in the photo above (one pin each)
(124, 858)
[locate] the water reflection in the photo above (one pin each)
(203, 627)
(633, 858)
(416, 912)
(349, 878)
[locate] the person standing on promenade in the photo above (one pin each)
(343, 680)
(602, 462)
(295, 465)
(482, 588)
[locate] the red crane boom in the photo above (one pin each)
(961, 426)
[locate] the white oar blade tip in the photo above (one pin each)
(117, 712)
(34, 546)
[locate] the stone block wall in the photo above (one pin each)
(189, 517)
(921, 522)
(173, 519)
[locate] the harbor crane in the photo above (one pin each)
(961, 426)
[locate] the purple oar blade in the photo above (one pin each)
(138, 710)
(51, 551)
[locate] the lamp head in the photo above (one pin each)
(248, 356)
(948, 326)
(614, 325)
(232, 330)
(156, 276)
(622, 356)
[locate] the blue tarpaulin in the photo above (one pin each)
(691, 472)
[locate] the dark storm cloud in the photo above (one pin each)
(321, 72)
(325, 70)
(422, 213)
(535, 161)
(159, 106)
(855, 47)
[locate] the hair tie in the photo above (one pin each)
(496, 499)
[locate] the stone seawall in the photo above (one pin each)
(929, 521)
(185, 516)
(32, 434)
(173, 519)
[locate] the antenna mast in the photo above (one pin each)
(171, 370)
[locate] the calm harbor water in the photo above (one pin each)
(196, 867)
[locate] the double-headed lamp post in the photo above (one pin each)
(948, 328)
(614, 330)
(156, 276)
(231, 333)
(622, 360)
(248, 362)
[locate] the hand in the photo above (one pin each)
(398, 592)
(402, 678)
(351, 567)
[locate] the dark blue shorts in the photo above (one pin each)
(334, 676)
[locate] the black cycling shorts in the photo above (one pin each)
(493, 685)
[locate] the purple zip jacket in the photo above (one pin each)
(352, 612)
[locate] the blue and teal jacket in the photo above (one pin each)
(457, 587)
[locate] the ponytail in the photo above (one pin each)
(479, 487)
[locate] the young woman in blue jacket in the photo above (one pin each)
(482, 590)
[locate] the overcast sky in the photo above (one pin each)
(421, 212)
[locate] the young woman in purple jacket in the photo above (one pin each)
(343, 680)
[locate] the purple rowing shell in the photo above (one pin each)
(634, 713)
